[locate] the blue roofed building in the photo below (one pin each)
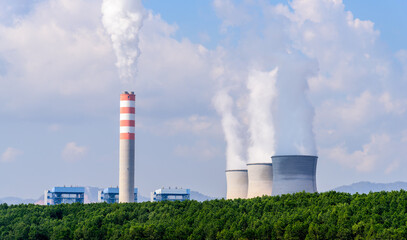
(59, 195)
(170, 194)
(111, 195)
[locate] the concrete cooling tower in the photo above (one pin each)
(126, 151)
(236, 183)
(294, 173)
(260, 179)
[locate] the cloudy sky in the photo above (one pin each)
(202, 81)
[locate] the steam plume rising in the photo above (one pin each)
(234, 149)
(293, 113)
(279, 114)
(262, 92)
(122, 20)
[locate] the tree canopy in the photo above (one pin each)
(329, 215)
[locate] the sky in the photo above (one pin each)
(336, 72)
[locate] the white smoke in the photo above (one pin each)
(279, 114)
(262, 92)
(232, 130)
(122, 20)
(293, 114)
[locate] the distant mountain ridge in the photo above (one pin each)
(200, 197)
(366, 187)
(16, 200)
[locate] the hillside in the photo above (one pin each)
(329, 215)
(16, 200)
(366, 187)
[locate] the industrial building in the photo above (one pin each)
(126, 148)
(111, 195)
(260, 178)
(237, 184)
(170, 194)
(59, 195)
(294, 173)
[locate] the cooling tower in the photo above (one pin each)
(294, 173)
(236, 183)
(126, 151)
(260, 179)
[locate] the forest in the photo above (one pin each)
(328, 215)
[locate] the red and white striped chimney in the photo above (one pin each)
(127, 147)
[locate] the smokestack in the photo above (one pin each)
(294, 173)
(126, 152)
(236, 183)
(260, 179)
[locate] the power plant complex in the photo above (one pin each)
(286, 174)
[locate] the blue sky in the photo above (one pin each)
(389, 19)
(59, 90)
(197, 17)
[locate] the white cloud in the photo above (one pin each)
(54, 127)
(57, 51)
(404, 136)
(364, 160)
(358, 110)
(341, 45)
(200, 150)
(10, 154)
(72, 152)
(393, 166)
(393, 105)
(175, 69)
(59, 54)
(195, 124)
(358, 115)
(402, 57)
(231, 13)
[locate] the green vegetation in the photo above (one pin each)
(329, 215)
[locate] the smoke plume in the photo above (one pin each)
(279, 116)
(122, 20)
(293, 113)
(262, 92)
(232, 130)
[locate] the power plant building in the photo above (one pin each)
(237, 184)
(260, 179)
(127, 148)
(111, 195)
(294, 173)
(170, 194)
(59, 195)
